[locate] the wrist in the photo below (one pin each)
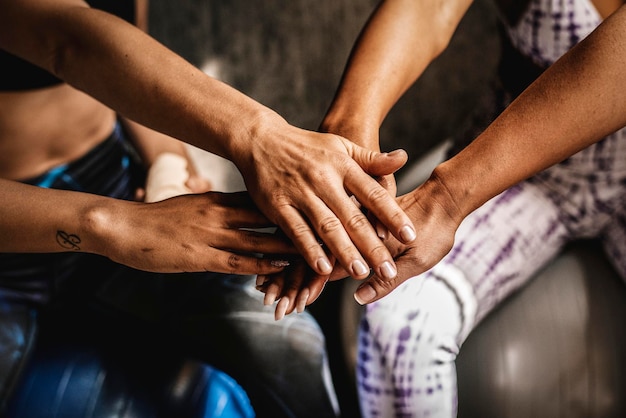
(361, 130)
(259, 124)
(98, 226)
(436, 198)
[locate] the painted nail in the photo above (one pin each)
(387, 270)
(279, 263)
(364, 294)
(358, 268)
(407, 234)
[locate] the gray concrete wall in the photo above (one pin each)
(289, 55)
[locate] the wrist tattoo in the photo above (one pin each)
(68, 241)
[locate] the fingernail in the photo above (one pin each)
(324, 266)
(387, 270)
(407, 234)
(281, 308)
(260, 280)
(269, 299)
(358, 268)
(381, 231)
(395, 152)
(279, 263)
(364, 294)
(302, 300)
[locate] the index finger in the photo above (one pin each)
(380, 203)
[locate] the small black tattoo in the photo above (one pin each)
(68, 241)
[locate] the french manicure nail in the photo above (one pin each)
(364, 294)
(407, 234)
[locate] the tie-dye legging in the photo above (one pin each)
(409, 340)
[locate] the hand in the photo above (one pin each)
(365, 135)
(304, 185)
(190, 233)
(437, 218)
(294, 288)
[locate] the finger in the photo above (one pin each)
(282, 307)
(273, 289)
(381, 230)
(382, 205)
(298, 230)
(251, 242)
(235, 210)
(234, 263)
(315, 287)
(294, 278)
(342, 227)
(376, 288)
(379, 164)
(261, 280)
(362, 239)
(338, 273)
(303, 300)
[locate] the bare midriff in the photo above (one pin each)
(44, 128)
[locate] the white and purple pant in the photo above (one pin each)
(409, 340)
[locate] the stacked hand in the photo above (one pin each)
(306, 185)
(432, 212)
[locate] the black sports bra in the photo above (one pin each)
(18, 74)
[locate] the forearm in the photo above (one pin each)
(575, 103)
(77, 41)
(44, 220)
(400, 40)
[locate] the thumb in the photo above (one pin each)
(375, 287)
(380, 164)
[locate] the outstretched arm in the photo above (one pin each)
(576, 102)
(296, 177)
(400, 40)
(396, 45)
(573, 104)
(204, 232)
